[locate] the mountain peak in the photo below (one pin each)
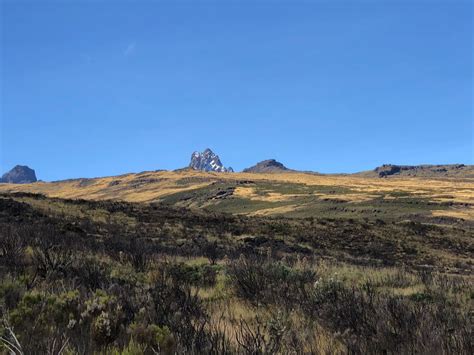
(207, 161)
(267, 166)
(20, 174)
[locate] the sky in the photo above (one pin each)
(99, 88)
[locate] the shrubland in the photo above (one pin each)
(85, 277)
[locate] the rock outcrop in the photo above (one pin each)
(267, 166)
(447, 170)
(20, 174)
(208, 161)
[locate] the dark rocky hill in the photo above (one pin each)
(439, 171)
(267, 166)
(20, 174)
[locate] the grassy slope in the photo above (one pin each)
(405, 264)
(445, 247)
(291, 194)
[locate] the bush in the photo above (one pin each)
(52, 255)
(268, 282)
(90, 273)
(39, 319)
(369, 322)
(181, 310)
(138, 254)
(12, 246)
(196, 275)
(11, 293)
(153, 337)
(104, 313)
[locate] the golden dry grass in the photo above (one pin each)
(152, 186)
(348, 197)
(274, 210)
(250, 193)
(464, 213)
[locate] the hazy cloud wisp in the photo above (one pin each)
(129, 50)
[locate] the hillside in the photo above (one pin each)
(459, 171)
(213, 262)
(108, 275)
(374, 242)
(292, 194)
(267, 166)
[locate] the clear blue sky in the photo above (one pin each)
(94, 88)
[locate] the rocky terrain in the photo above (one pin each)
(267, 166)
(433, 171)
(208, 161)
(20, 174)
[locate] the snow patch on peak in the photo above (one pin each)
(207, 161)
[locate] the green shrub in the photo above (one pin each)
(39, 318)
(264, 281)
(153, 336)
(421, 297)
(106, 317)
(195, 275)
(11, 293)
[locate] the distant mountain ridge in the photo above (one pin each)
(294, 193)
(20, 174)
(426, 170)
(208, 161)
(267, 166)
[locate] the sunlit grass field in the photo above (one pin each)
(289, 194)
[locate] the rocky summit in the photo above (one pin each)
(20, 174)
(267, 166)
(424, 170)
(208, 161)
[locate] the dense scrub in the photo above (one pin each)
(108, 277)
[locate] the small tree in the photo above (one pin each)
(12, 247)
(212, 251)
